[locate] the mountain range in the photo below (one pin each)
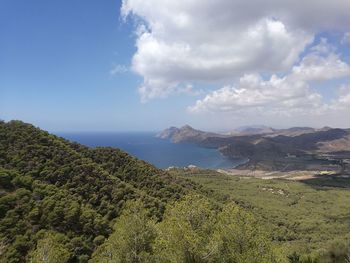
(274, 149)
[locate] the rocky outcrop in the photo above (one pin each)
(186, 134)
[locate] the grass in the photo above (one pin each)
(301, 216)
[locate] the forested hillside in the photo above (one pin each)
(71, 193)
(62, 202)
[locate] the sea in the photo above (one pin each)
(159, 152)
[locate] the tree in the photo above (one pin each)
(132, 239)
(240, 239)
(2, 247)
(184, 234)
(49, 250)
(193, 231)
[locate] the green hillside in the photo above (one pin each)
(50, 184)
(62, 202)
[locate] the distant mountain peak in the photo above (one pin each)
(186, 127)
(252, 129)
(185, 134)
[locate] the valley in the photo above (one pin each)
(304, 213)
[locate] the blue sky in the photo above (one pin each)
(55, 63)
(56, 59)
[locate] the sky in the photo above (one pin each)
(135, 65)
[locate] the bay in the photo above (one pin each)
(159, 152)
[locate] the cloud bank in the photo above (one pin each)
(236, 44)
(281, 95)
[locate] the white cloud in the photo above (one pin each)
(291, 94)
(321, 64)
(274, 96)
(342, 102)
(196, 41)
(154, 89)
(165, 65)
(118, 69)
(346, 38)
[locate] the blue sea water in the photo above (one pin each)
(159, 152)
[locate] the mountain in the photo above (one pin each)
(168, 133)
(49, 185)
(294, 131)
(268, 131)
(250, 130)
(186, 134)
(191, 135)
(294, 148)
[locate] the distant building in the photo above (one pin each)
(171, 168)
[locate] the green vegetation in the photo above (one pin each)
(49, 185)
(61, 202)
(132, 239)
(193, 230)
(311, 218)
(50, 249)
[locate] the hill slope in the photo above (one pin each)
(48, 184)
